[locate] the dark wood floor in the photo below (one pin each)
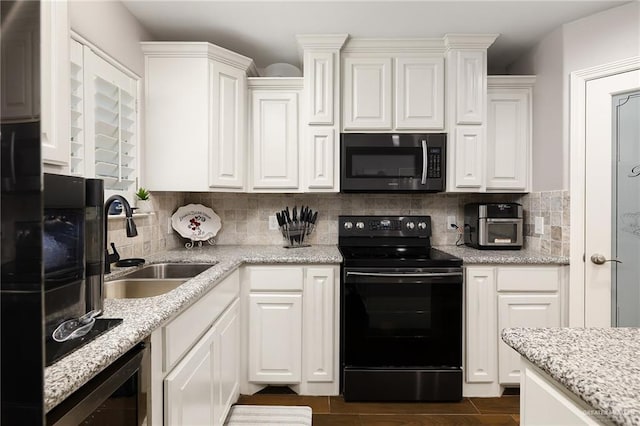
(334, 411)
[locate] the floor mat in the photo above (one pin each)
(268, 415)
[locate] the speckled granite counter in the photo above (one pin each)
(142, 316)
(525, 256)
(599, 365)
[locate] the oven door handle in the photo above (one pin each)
(504, 220)
(408, 275)
(425, 149)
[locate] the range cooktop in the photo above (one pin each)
(56, 350)
(390, 241)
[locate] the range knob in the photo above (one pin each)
(422, 225)
(410, 225)
(348, 225)
(360, 225)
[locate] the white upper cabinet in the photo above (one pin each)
(55, 74)
(367, 93)
(471, 96)
(195, 117)
(509, 133)
(393, 85)
(320, 119)
(227, 145)
(274, 133)
(419, 93)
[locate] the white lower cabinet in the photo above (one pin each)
(500, 297)
(522, 310)
(291, 329)
(195, 360)
(275, 338)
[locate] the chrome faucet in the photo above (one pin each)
(132, 231)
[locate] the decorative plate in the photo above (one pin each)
(196, 222)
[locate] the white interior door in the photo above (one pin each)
(601, 199)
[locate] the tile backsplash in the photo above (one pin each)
(553, 207)
(245, 217)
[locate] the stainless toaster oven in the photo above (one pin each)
(493, 225)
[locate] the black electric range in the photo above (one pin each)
(401, 312)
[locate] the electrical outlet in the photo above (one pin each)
(273, 223)
(169, 226)
(539, 225)
(451, 220)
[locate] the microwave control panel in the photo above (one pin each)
(434, 160)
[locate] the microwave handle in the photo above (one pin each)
(424, 161)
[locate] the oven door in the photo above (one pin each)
(402, 318)
(388, 163)
(494, 232)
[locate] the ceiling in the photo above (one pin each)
(265, 30)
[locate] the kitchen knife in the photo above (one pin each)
(279, 219)
(295, 216)
(314, 218)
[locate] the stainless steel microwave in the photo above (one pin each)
(377, 162)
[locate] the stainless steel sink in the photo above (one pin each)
(169, 270)
(134, 288)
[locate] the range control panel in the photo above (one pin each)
(384, 226)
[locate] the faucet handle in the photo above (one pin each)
(112, 258)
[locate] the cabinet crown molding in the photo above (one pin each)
(321, 41)
(469, 41)
(394, 46)
(199, 49)
(511, 81)
(275, 83)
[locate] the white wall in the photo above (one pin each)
(110, 26)
(594, 40)
(545, 61)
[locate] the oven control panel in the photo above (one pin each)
(387, 226)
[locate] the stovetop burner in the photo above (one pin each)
(56, 350)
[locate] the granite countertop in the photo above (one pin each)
(471, 255)
(142, 316)
(599, 365)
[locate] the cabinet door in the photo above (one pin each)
(227, 152)
(189, 390)
(508, 140)
(523, 310)
(55, 90)
(367, 93)
(469, 157)
(319, 321)
(471, 94)
(319, 81)
(481, 320)
(322, 160)
(275, 338)
(419, 93)
(274, 140)
(227, 362)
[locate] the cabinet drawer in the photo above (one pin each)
(183, 332)
(528, 279)
(276, 278)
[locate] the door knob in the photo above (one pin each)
(599, 259)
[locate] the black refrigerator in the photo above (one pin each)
(21, 286)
